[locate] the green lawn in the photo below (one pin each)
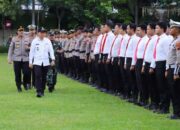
(73, 106)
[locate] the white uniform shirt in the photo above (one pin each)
(162, 48)
(115, 46)
(108, 43)
(98, 44)
(132, 46)
(41, 51)
(149, 50)
(140, 48)
(123, 45)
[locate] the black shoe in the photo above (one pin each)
(39, 95)
(19, 90)
(51, 89)
(174, 117)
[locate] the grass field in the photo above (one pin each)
(73, 106)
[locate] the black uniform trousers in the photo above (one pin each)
(40, 77)
(150, 80)
(163, 89)
(126, 91)
(98, 71)
(131, 77)
(116, 75)
(19, 68)
(174, 86)
(66, 65)
(61, 62)
(105, 72)
(77, 67)
(141, 82)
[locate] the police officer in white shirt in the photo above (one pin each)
(158, 63)
(105, 49)
(138, 62)
(113, 58)
(150, 78)
(97, 55)
(41, 52)
(126, 92)
(131, 46)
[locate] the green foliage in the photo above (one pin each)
(10, 8)
(3, 49)
(91, 12)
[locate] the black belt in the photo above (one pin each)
(82, 51)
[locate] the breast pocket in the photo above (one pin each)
(37, 48)
(17, 45)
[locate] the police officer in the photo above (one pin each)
(79, 38)
(104, 50)
(31, 35)
(130, 48)
(113, 58)
(91, 60)
(41, 50)
(137, 62)
(158, 65)
(19, 56)
(172, 59)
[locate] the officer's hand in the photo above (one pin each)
(151, 70)
(132, 68)
(10, 62)
(107, 61)
(176, 77)
(166, 73)
(53, 63)
(89, 61)
(30, 66)
(99, 61)
(142, 70)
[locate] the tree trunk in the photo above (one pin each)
(136, 12)
(33, 12)
(59, 16)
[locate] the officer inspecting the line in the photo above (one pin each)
(19, 57)
(41, 50)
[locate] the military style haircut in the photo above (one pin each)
(152, 25)
(109, 23)
(132, 26)
(124, 27)
(162, 25)
(143, 27)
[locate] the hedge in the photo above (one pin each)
(3, 49)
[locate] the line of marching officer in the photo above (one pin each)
(139, 63)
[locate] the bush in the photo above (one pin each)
(3, 49)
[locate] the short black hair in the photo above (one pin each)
(98, 27)
(109, 23)
(118, 24)
(152, 25)
(162, 25)
(132, 26)
(124, 27)
(143, 27)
